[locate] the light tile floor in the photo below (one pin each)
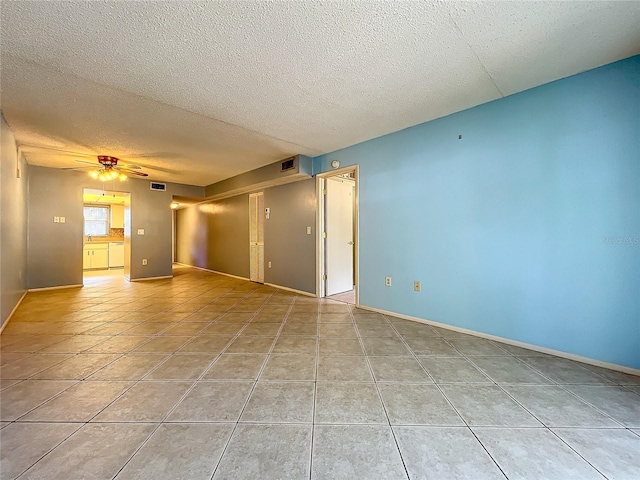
(204, 376)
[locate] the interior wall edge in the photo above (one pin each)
(292, 290)
(6, 322)
(56, 287)
(212, 271)
(146, 279)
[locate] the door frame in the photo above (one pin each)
(126, 271)
(320, 226)
(260, 213)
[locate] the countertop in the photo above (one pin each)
(103, 240)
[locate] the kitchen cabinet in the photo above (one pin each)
(117, 216)
(116, 254)
(95, 255)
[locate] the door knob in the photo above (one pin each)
(349, 243)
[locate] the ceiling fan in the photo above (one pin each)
(109, 169)
(107, 166)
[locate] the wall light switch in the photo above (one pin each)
(144, 261)
(308, 230)
(141, 232)
(416, 286)
(63, 220)
(56, 219)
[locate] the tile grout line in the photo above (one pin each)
(85, 423)
(255, 382)
(501, 387)
(315, 392)
(377, 387)
(466, 424)
(180, 400)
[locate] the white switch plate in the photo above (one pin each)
(416, 286)
(141, 232)
(56, 219)
(308, 230)
(387, 281)
(63, 220)
(144, 261)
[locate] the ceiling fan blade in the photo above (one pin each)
(131, 172)
(130, 166)
(90, 163)
(60, 150)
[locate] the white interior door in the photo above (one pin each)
(339, 239)
(256, 237)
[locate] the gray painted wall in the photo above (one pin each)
(55, 249)
(287, 246)
(13, 220)
(215, 235)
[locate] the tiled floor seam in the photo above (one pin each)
(51, 450)
(554, 384)
(576, 452)
(375, 382)
(468, 427)
(255, 382)
(315, 394)
(118, 397)
(545, 426)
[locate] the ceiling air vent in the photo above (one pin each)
(288, 164)
(160, 187)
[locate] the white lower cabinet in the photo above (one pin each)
(116, 254)
(95, 256)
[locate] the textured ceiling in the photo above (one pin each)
(195, 92)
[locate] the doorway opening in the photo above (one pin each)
(106, 216)
(256, 237)
(338, 235)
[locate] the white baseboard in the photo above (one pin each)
(213, 271)
(59, 287)
(6, 322)
(515, 343)
(293, 290)
(164, 277)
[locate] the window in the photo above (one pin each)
(96, 221)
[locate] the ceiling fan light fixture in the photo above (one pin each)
(109, 170)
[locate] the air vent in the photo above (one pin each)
(288, 164)
(160, 187)
(289, 170)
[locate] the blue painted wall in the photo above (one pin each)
(527, 228)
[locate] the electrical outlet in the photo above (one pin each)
(387, 281)
(269, 264)
(308, 230)
(144, 261)
(417, 286)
